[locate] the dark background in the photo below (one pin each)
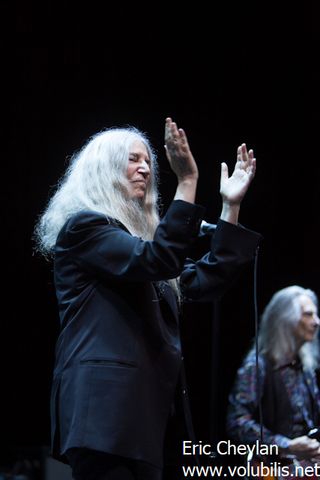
(227, 73)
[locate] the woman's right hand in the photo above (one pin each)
(178, 152)
(181, 161)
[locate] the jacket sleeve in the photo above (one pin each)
(232, 248)
(102, 247)
(242, 425)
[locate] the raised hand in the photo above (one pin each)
(233, 188)
(178, 152)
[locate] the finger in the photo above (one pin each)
(314, 443)
(253, 168)
(167, 153)
(183, 139)
(251, 158)
(312, 451)
(244, 153)
(168, 123)
(173, 137)
(171, 129)
(243, 148)
(183, 135)
(174, 128)
(224, 172)
(239, 154)
(167, 128)
(239, 159)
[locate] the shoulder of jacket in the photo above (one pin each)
(85, 219)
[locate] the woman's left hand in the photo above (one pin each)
(233, 188)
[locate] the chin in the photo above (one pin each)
(310, 339)
(139, 196)
(138, 199)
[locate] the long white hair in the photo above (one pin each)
(278, 322)
(96, 180)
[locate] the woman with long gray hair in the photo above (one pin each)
(120, 273)
(285, 384)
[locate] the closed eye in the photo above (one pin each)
(133, 157)
(309, 313)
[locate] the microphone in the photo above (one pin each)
(206, 228)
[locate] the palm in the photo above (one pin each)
(178, 151)
(233, 188)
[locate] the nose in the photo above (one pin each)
(144, 168)
(316, 319)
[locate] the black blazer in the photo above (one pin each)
(118, 355)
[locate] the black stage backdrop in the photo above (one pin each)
(227, 74)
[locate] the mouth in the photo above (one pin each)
(140, 181)
(313, 333)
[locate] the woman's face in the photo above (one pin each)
(138, 170)
(307, 326)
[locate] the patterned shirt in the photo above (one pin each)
(301, 387)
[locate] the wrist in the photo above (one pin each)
(191, 178)
(230, 212)
(186, 190)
